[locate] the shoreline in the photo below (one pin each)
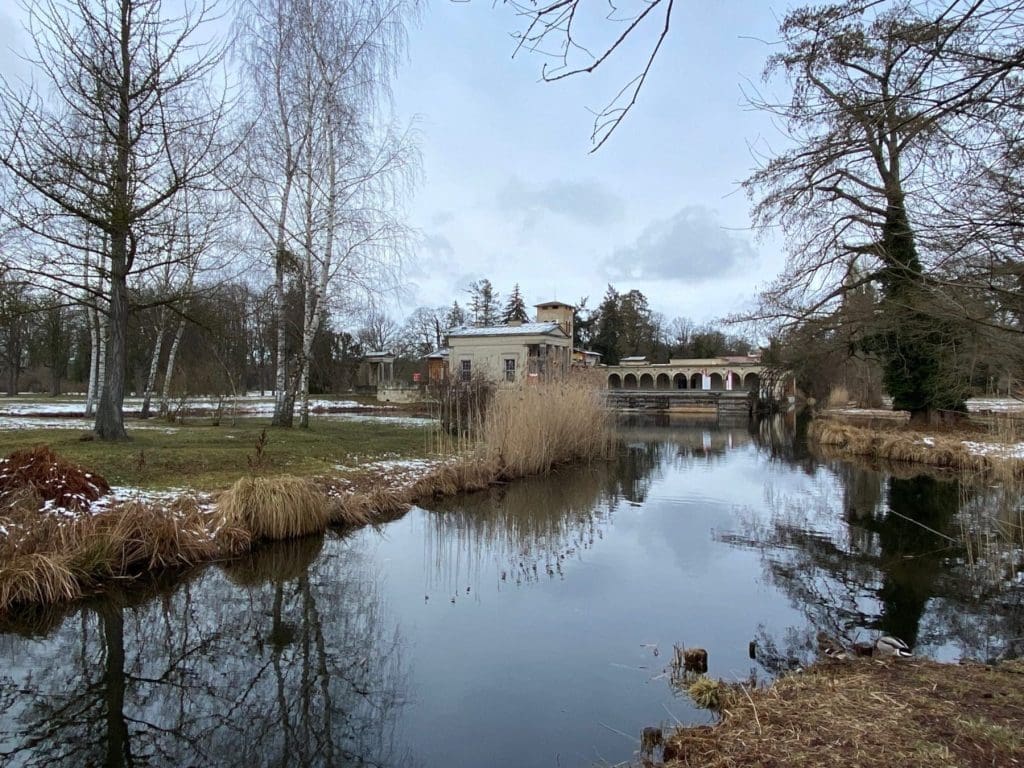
(863, 714)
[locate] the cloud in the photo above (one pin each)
(689, 246)
(582, 202)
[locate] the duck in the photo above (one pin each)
(831, 647)
(888, 646)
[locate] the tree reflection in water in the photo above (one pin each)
(259, 673)
(885, 557)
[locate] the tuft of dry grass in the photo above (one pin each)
(282, 507)
(866, 714)
(45, 560)
(36, 577)
(707, 693)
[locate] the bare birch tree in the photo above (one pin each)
(317, 167)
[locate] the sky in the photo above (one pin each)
(510, 191)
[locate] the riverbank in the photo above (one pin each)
(64, 534)
(865, 714)
(972, 448)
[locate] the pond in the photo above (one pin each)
(531, 625)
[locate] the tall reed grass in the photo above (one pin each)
(533, 428)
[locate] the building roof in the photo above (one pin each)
(379, 355)
(525, 329)
(587, 352)
(634, 359)
(556, 303)
(439, 354)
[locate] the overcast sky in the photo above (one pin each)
(511, 192)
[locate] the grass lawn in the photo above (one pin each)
(210, 458)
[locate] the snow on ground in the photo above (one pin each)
(39, 406)
(995, 450)
(995, 404)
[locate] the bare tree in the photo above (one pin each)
(123, 127)
(552, 29)
(318, 170)
(885, 107)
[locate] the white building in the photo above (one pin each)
(510, 353)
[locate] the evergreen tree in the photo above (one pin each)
(483, 303)
(456, 316)
(608, 327)
(515, 308)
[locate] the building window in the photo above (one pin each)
(510, 369)
(465, 370)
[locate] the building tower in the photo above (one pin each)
(556, 312)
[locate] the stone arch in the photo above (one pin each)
(752, 382)
(734, 380)
(662, 382)
(614, 381)
(717, 382)
(679, 381)
(629, 381)
(696, 381)
(646, 381)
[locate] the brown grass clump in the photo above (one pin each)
(908, 446)
(533, 428)
(50, 477)
(36, 578)
(274, 507)
(45, 560)
(838, 396)
(866, 714)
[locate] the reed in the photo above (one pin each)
(900, 445)
(274, 508)
(533, 428)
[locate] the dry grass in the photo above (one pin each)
(905, 445)
(838, 397)
(283, 507)
(50, 477)
(46, 559)
(863, 715)
(533, 428)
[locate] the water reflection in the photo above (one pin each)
(529, 614)
(297, 665)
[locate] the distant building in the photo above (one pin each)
(586, 358)
(509, 353)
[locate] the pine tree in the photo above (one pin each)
(515, 308)
(456, 316)
(483, 303)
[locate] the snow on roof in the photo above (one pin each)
(439, 354)
(526, 329)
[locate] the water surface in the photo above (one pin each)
(530, 625)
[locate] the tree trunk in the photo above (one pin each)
(110, 413)
(169, 372)
(154, 364)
